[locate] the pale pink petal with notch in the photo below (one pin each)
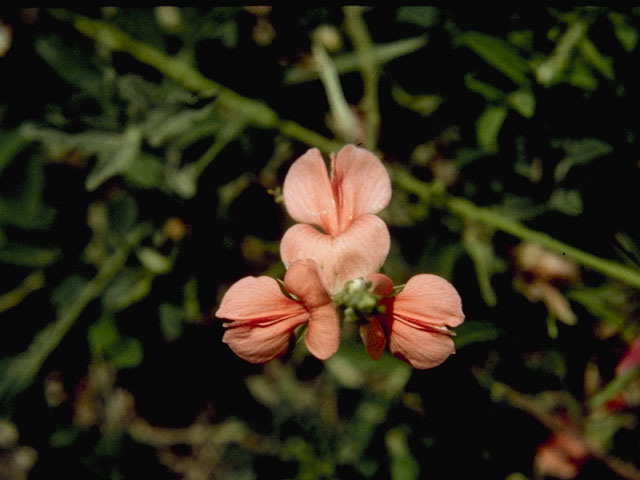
(360, 182)
(356, 252)
(307, 193)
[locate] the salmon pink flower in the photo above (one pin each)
(562, 456)
(354, 242)
(416, 321)
(263, 318)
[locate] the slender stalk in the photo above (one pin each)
(346, 123)
(488, 216)
(370, 70)
(350, 62)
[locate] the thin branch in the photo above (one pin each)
(370, 70)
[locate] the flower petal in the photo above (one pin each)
(262, 342)
(381, 284)
(257, 300)
(429, 300)
(262, 318)
(356, 252)
(361, 183)
(307, 192)
(304, 281)
(323, 335)
(373, 338)
(420, 348)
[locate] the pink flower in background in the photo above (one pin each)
(416, 321)
(263, 318)
(631, 358)
(562, 456)
(354, 242)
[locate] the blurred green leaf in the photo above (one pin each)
(64, 437)
(422, 16)
(579, 152)
(228, 192)
(13, 298)
(102, 335)
(478, 245)
(28, 256)
(597, 60)
(116, 162)
(568, 202)
(488, 127)
(523, 102)
(68, 291)
(72, 64)
(12, 142)
(403, 464)
(127, 353)
(161, 129)
(184, 181)
(27, 210)
(425, 105)
(154, 260)
(489, 92)
(107, 343)
(499, 54)
(122, 213)
(626, 34)
(581, 76)
(191, 305)
(605, 302)
(129, 287)
(550, 70)
(471, 332)
(171, 321)
(146, 171)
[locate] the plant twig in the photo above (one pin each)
(258, 112)
(493, 218)
(370, 69)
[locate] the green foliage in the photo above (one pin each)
(144, 176)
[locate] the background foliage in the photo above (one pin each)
(141, 157)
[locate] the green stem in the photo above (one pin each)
(491, 217)
(350, 62)
(22, 369)
(346, 123)
(258, 112)
(370, 70)
(494, 219)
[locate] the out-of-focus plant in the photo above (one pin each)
(143, 177)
